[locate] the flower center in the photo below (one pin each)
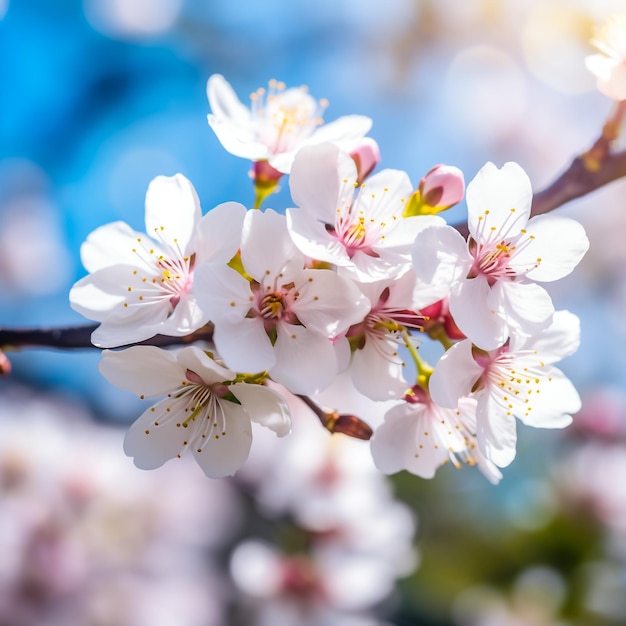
(285, 117)
(492, 260)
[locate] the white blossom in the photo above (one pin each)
(490, 278)
(280, 317)
(365, 235)
(205, 411)
(278, 123)
(517, 380)
(138, 285)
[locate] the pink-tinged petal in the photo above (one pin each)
(111, 244)
(478, 313)
(237, 140)
(186, 318)
(455, 375)
(440, 259)
(152, 445)
(558, 244)
(328, 303)
(266, 245)
(500, 199)
(222, 455)
(496, 431)
(222, 293)
(377, 370)
(317, 181)
(306, 362)
(244, 345)
(224, 101)
(312, 239)
(218, 235)
(264, 406)
(557, 401)
(527, 307)
(173, 212)
(559, 340)
(196, 360)
(143, 370)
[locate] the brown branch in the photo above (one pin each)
(76, 337)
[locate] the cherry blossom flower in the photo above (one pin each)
(139, 286)
(365, 236)
(205, 410)
(279, 122)
(517, 380)
(609, 66)
(419, 436)
(376, 365)
(279, 317)
(489, 277)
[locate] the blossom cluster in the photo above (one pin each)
(340, 283)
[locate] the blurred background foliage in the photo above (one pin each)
(97, 97)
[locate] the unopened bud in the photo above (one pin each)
(441, 188)
(265, 179)
(440, 319)
(350, 425)
(5, 364)
(366, 157)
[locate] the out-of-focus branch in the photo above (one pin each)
(588, 172)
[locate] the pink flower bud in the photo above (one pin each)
(366, 156)
(443, 186)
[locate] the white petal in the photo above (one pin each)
(559, 340)
(440, 259)
(328, 303)
(393, 443)
(527, 307)
(222, 455)
(224, 101)
(316, 181)
(172, 212)
(305, 361)
(496, 432)
(244, 345)
(505, 193)
(266, 246)
(238, 141)
(218, 235)
(455, 375)
(478, 314)
(222, 293)
(95, 298)
(345, 132)
(152, 445)
(111, 244)
(312, 239)
(559, 244)
(198, 361)
(186, 318)
(113, 334)
(264, 406)
(376, 372)
(402, 237)
(143, 370)
(556, 402)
